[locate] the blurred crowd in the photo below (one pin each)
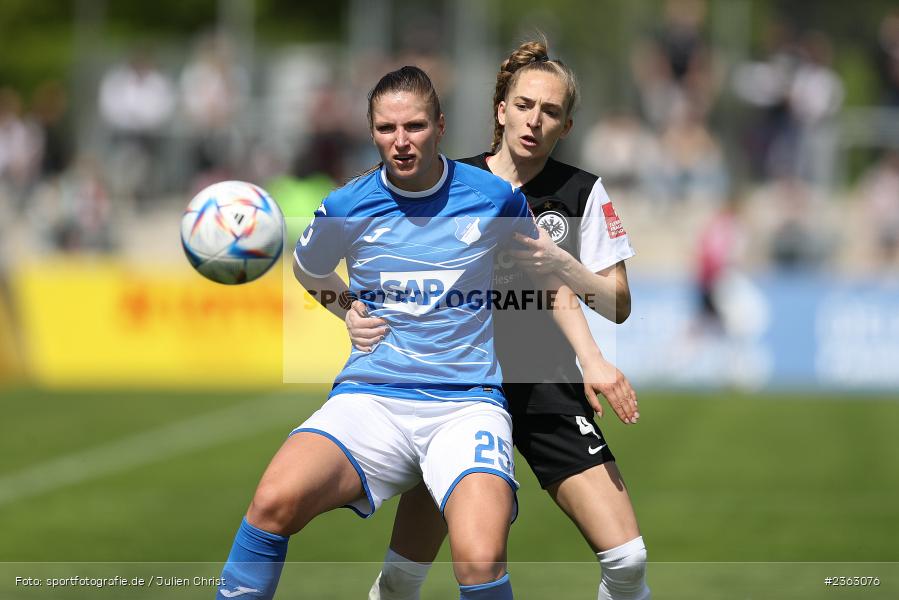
(166, 129)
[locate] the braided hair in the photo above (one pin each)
(530, 56)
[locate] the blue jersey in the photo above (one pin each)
(422, 261)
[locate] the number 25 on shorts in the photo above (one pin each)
(493, 451)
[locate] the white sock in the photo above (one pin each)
(399, 579)
(624, 572)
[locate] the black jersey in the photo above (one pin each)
(540, 374)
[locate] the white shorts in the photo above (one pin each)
(393, 444)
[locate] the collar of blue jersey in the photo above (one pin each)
(421, 194)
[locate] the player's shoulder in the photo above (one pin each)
(478, 160)
(345, 200)
(481, 180)
(569, 177)
(496, 189)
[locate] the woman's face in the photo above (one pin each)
(406, 135)
(533, 115)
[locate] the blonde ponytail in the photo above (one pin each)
(528, 56)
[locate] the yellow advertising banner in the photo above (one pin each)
(94, 323)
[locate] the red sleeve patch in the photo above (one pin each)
(613, 223)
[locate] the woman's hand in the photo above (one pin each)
(540, 255)
(602, 376)
(365, 332)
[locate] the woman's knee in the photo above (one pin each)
(479, 565)
(478, 515)
(278, 510)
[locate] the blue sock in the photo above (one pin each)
(501, 589)
(254, 565)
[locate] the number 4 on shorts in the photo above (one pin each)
(586, 426)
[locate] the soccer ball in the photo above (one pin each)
(232, 232)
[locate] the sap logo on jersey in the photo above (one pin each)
(417, 292)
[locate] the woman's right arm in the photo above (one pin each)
(323, 289)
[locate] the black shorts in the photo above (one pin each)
(558, 446)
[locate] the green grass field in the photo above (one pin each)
(729, 490)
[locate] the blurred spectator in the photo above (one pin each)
(815, 97)
(325, 149)
(619, 148)
(887, 57)
(675, 65)
(214, 89)
(765, 85)
(320, 164)
(732, 314)
(800, 95)
(692, 164)
(50, 110)
(136, 97)
(880, 193)
(799, 240)
(136, 101)
(720, 247)
(72, 213)
(21, 145)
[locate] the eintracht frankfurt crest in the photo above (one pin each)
(554, 224)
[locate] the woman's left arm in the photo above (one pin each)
(599, 374)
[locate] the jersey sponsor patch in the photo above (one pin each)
(417, 292)
(613, 222)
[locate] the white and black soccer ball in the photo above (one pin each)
(232, 232)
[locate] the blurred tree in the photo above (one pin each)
(35, 42)
(37, 38)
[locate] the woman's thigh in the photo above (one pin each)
(597, 501)
(309, 475)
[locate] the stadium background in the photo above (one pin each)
(141, 403)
